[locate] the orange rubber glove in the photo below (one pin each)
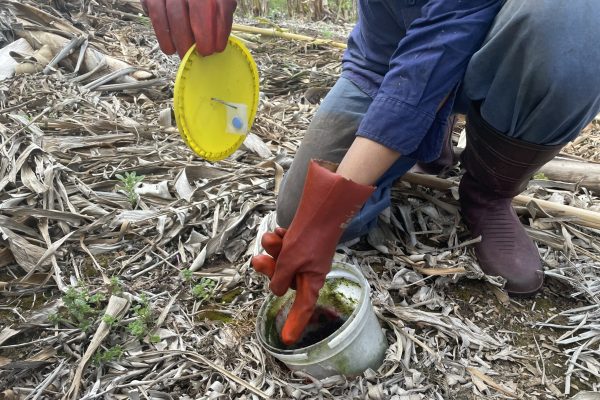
(180, 23)
(303, 253)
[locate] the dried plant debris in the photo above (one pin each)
(124, 258)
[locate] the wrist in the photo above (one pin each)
(366, 161)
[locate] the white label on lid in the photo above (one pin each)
(237, 118)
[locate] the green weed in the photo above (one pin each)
(115, 286)
(187, 275)
(144, 20)
(112, 354)
(82, 308)
(54, 318)
(326, 34)
(137, 328)
(110, 320)
(129, 182)
(204, 289)
(144, 319)
(154, 339)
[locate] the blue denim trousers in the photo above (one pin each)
(535, 76)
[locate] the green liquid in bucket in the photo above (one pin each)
(332, 311)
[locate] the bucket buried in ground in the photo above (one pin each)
(323, 323)
(343, 336)
(332, 311)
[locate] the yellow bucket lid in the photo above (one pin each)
(215, 100)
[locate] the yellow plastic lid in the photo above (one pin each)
(215, 100)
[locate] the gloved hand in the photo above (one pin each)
(180, 23)
(271, 242)
(303, 254)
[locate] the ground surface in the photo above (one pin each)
(73, 244)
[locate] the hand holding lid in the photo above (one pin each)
(178, 24)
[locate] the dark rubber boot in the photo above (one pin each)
(497, 169)
(446, 160)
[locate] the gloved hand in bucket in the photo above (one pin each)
(301, 256)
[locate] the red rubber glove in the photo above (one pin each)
(271, 242)
(180, 23)
(303, 254)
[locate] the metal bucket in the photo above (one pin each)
(358, 344)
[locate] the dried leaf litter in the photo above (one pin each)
(66, 222)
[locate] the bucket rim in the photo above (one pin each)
(342, 334)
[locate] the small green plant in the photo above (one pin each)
(54, 318)
(154, 339)
(130, 181)
(187, 275)
(115, 286)
(114, 353)
(540, 176)
(144, 319)
(144, 20)
(204, 289)
(327, 34)
(82, 309)
(109, 320)
(137, 328)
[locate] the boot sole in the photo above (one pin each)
(524, 295)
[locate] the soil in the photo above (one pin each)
(476, 301)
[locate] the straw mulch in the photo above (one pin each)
(147, 292)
